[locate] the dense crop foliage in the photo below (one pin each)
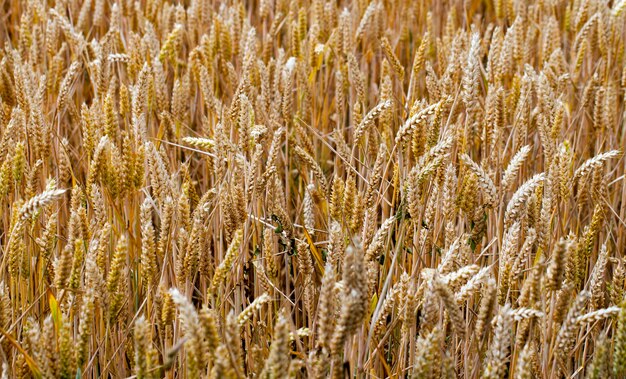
(312, 188)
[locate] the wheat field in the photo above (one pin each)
(312, 189)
